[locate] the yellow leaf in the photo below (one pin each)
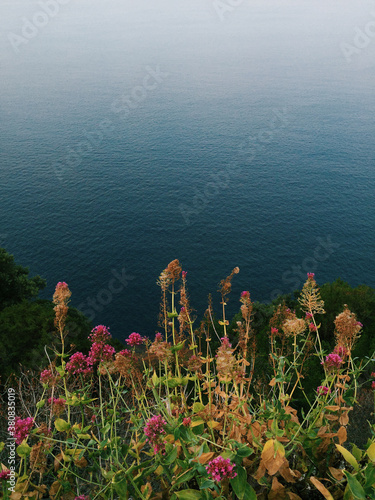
(212, 424)
(348, 456)
(371, 452)
(319, 486)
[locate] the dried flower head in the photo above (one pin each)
(61, 299)
(58, 405)
(162, 350)
(227, 368)
(310, 299)
(294, 326)
(347, 329)
(226, 284)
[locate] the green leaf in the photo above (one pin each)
(62, 425)
(171, 457)
(197, 407)
(244, 451)
(357, 453)
(189, 495)
(355, 487)
(183, 478)
(370, 478)
(241, 487)
(121, 488)
(207, 483)
(41, 403)
(23, 450)
(2, 444)
(178, 347)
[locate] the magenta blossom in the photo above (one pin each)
(186, 421)
(274, 331)
(79, 363)
(323, 390)
(184, 273)
(159, 337)
(308, 315)
(46, 376)
(245, 295)
(134, 339)
(100, 352)
(5, 475)
(154, 430)
(333, 360)
(310, 276)
(125, 353)
(22, 428)
(312, 327)
(219, 468)
(82, 497)
(100, 334)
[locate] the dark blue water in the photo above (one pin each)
(134, 133)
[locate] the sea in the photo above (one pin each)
(221, 133)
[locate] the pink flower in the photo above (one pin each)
(245, 295)
(159, 337)
(340, 350)
(154, 430)
(333, 360)
(308, 315)
(312, 327)
(373, 384)
(125, 353)
(274, 331)
(58, 405)
(310, 276)
(186, 421)
(359, 324)
(219, 468)
(100, 352)
(21, 428)
(373, 374)
(5, 475)
(82, 497)
(100, 334)
(184, 273)
(134, 339)
(46, 376)
(61, 285)
(79, 363)
(322, 389)
(225, 342)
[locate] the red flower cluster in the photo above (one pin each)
(134, 339)
(79, 363)
(220, 467)
(22, 428)
(154, 430)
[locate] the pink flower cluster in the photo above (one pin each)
(310, 276)
(274, 331)
(134, 339)
(309, 315)
(225, 342)
(312, 327)
(58, 405)
(333, 360)
(101, 352)
(5, 475)
(373, 382)
(159, 337)
(61, 285)
(100, 334)
(47, 376)
(82, 497)
(245, 295)
(323, 390)
(154, 430)
(186, 422)
(340, 350)
(79, 363)
(22, 428)
(220, 467)
(126, 353)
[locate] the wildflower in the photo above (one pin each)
(347, 328)
(309, 315)
(79, 363)
(245, 295)
(333, 360)
(373, 384)
(373, 374)
(61, 298)
(100, 352)
(293, 326)
(58, 405)
(227, 368)
(134, 339)
(5, 475)
(100, 334)
(154, 430)
(341, 351)
(22, 428)
(312, 327)
(186, 422)
(184, 273)
(82, 497)
(274, 331)
(159, 337)
(125, 352)
(323, 390)
(162, 350)
(47, 377)
(310, 299)
(220, 468)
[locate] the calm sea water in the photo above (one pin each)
(136, 132)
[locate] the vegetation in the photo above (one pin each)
(190, 415)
